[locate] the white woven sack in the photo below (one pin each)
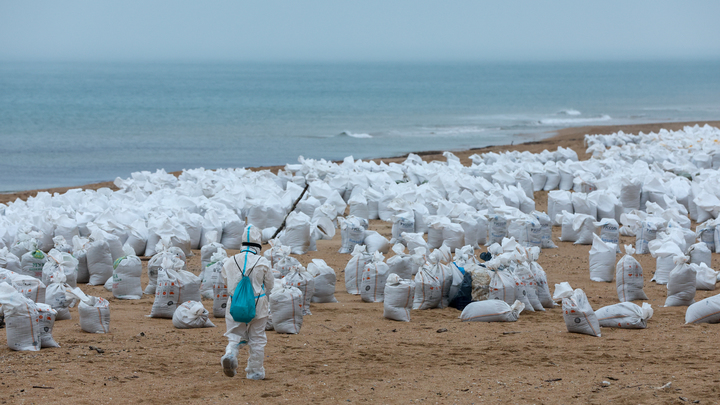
(299, 278)
(584, 228)
(559, 201)
(30, 287)
(60, 261)
(481, 278)
(32, 263)
(542, 290)
(578, 314)
(453, 236)
(629, 280)
(705, 277)
(9, 261)
(286, 308)
(401, 263)
(374, 276)
(706, 234)
(173, 287)
(55, 297)
(21, 320)
(402, 222)
(503, 287)
(127, 271)
(414, 241)
(522, 291)
(568, 232)
(665, 263)
(527, 279)
(545, 230)
(553, 176)
(602, 260)
(359, 206)
(209, 249)
(352, 232)
(645, 234)
(220, 299)
(155, 262)
(297, 233)
(99, 262)
(189, 286)
(700, 253)
(624, 315)
(399, 294)
(325, 280)
(166, 294)
(609, 231)
(584, 205)
(232, 232)
(444, 275)
(472, 231)
(681, 284)
(428, 291)
(497, 229)
(286, 263)
(80, 253)
(491, 311)
(94, 312)
(704, 311)
(211, 275)
(137, 237)
(46, 316)
(191, 314)
(354, 269)
(376, 242)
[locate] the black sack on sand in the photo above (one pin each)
(464, 296)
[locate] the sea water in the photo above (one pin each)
(69, 124)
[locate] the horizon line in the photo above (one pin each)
(363, 61)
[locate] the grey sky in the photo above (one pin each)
(336, 30)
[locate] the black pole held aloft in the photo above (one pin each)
(282, 226)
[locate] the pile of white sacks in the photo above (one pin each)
(512, 281)
(649, 186)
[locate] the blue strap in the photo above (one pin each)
(246, 251)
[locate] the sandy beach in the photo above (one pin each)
(348, 353)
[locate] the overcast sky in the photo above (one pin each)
(367, 30)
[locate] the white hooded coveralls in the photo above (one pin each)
(253, 333)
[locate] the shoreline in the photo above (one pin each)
(571, 137)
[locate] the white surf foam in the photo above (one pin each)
(354, 135)
(571, 121)
(569, 111)
(451, 131)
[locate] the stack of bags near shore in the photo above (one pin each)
(511, 282)
(516, 283)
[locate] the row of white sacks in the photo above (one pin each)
(177, 293)
(406, 282)
(581, 318)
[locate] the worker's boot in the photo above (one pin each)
(229, 360)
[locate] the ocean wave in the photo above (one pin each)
(450, 131)
(354, 135)
(569, 111)
(571, 121)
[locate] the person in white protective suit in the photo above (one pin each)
(252, 334)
